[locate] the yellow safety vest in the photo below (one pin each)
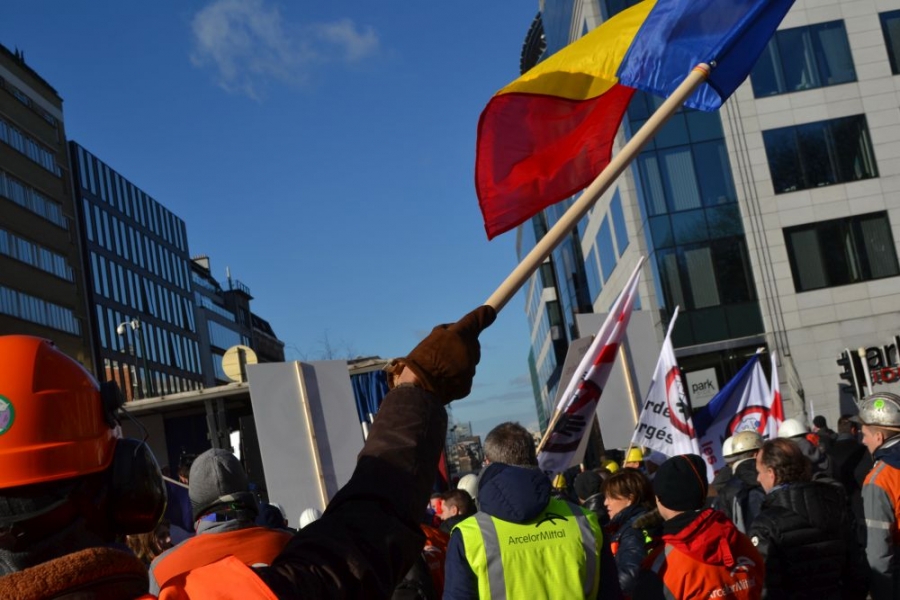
(555, 555)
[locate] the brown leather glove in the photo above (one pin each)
(444, 362)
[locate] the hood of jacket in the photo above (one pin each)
(746, 472)
(889, 452)
(515, 494)
(709, 538)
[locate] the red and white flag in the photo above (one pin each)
(579, 401)
(666, 423)
(776, 416)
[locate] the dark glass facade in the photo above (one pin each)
(890, 26)
(698, 251)
(822, 153)
(841, 251)
(139, 281)
(804, 58)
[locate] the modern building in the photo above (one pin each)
(264, 341)
(42, 283)
(136, 256)
(223, 318)
(771, 223)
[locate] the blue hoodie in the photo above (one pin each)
(517, 495)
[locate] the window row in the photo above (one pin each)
(205, 283)
(130, 200)
(804, 58)
(817, 55)
(118, 283)
(29, 147)
(693, 226)
(819, 154)
(29, 308)
(27, 101)
(703, 275)
(31, 199)
(890, 27)
(123, 240)
(207, 303)
(672, 180)
(224, 337)
(127, 374)
(841, 251)
(37, 256)
(158, 344)
(610, 245)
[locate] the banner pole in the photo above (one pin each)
(597, 188)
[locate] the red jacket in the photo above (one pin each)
(707, 558)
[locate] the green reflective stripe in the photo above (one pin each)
(589, 543)
(878, 524)
(496, 581)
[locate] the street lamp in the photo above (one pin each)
(135, 326)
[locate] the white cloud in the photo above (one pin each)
(249, 44)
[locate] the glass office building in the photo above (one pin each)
(223, 318)
(771, 223)
(136, 257)
(42, 283)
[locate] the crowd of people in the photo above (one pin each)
(810, 514)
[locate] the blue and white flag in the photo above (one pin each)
(744, 403)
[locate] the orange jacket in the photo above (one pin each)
(249, 546)
(226, 579)
(709, 558)
(880, 494)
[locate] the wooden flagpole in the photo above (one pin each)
(597, 188)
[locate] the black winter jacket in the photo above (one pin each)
(808, 540)
(628, 544)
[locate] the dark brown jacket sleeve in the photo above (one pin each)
(369, 535)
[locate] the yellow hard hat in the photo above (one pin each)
(559, 482)
(610, 465)
(634, 455)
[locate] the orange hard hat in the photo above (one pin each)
(53, 424)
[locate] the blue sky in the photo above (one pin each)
(323, 152)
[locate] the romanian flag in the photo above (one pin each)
(549, 133)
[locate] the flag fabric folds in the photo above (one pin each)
(546, 135)
(666, 424)
(578, 402)
(776, 415)
(744, 403)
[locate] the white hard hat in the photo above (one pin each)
(745, 441)
(792, 428)
(726, 447)
(308, 516)
(879, 409)
(469, 483)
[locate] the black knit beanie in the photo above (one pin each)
(680, 483)
(587, 484)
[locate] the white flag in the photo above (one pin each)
(579, 402)
(666, 424)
